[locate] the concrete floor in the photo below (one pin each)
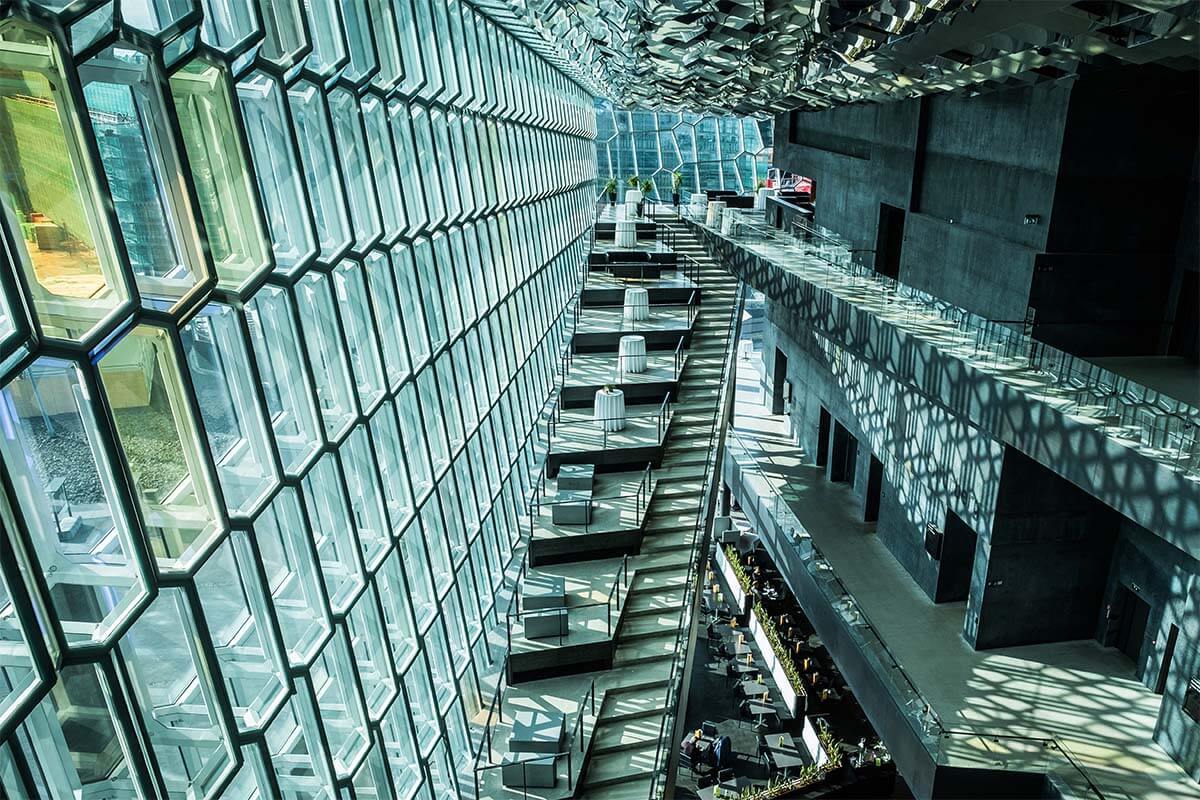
(1083, 694)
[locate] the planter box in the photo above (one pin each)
(737, 597)
(795, 702)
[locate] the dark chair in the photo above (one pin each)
(731, 675)
(709, 729)
(764, 752)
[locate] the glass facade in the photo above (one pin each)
(280, 310)
(709, 151)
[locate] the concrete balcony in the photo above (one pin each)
(564, 619)
(1134, 448)
(606, 520)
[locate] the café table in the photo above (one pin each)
(789, 755)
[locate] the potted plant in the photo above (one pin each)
(676, 185)
(646, 186)
(610, 189)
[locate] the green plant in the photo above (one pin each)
(610, 186)
(781, 650)
(647, 186)
(676, 180)
(758, 184)
(633, 181)
(739, 569)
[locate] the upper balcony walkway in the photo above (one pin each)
(1133, 447)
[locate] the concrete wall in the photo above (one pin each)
(1048, 559)
(1144, 565)
(1072, 202)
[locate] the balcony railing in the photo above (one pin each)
(1159, 426)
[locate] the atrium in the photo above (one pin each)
(605, 399)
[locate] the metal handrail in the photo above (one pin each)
(662, 420)
(683, 633)
(496, 709)
(536, 502)
(1167, 426)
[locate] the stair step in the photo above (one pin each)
(620, 776)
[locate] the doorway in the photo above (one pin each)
(843, 455)
(889, 240)
(957, 560)
(824, 423)
(1127, 625)
(1164, 670)
(779, 382)
(874, 490)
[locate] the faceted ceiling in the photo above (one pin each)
(765, 56)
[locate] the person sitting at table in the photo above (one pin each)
(690, 743)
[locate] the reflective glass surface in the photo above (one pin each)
(300, 271)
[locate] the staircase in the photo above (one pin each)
(625, 742)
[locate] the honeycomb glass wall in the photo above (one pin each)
(281, 305)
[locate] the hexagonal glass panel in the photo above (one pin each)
(324, 344)
(284, 378)
(334, 684)
(337, 546)
(172, 690)
(293, 579)
(72, 743)
(72, 504)
(139, 155)
(239, 623)
(154, 16)
(50, 192)
(272, 146)
(234, 424)
(228, 200)
(297, 753)
(156, 427)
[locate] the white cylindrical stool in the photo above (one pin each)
(626, 235)
(631, 354)
(637, 304)
(633, 196)
(760, 198)
(609, 410)
(715, 209)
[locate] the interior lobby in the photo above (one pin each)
(616, 400)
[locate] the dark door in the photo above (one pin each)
(889, 240)
(824, 423)
(957, 560)
(838, 453)
(779, 381)
(874, 490)
(851, 469)
(1131, 625)
(1164, 671)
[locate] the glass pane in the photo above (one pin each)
(50, 192)
(228, 202)
(162, 446)
(233, 421)
(54, 452)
